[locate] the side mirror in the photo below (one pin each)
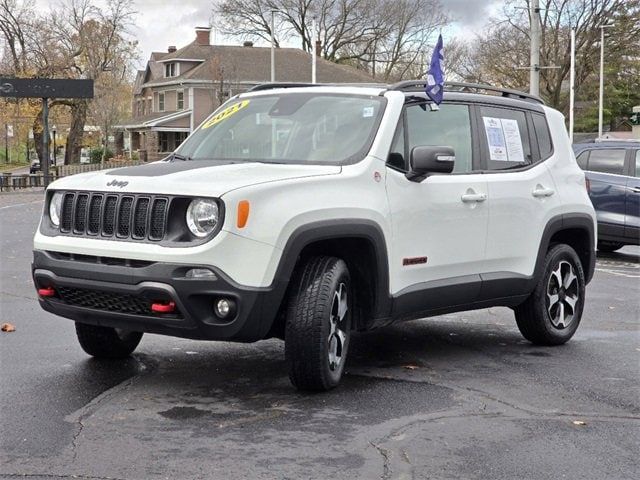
(426, 160)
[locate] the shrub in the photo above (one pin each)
(95, 154)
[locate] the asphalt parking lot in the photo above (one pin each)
(453, 397)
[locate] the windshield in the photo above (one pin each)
(288, 128)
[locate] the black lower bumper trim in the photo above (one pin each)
(121, 297)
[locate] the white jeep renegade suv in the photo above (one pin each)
(306, 212)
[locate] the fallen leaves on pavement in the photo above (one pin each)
(7, 327)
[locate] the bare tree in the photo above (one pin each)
(385, 37)
(499, 55)
(94, 45)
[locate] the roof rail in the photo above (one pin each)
(413, 85)
(270, 86)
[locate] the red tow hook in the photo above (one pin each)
(163, 307)
(46, 292)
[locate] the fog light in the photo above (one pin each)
(200, 273)
(225, 308)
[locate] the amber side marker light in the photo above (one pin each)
(243, 213)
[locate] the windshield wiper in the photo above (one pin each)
(177, 156)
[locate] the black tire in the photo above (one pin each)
(609, 247)
(106, 342)
(534, 316)
(309, 338)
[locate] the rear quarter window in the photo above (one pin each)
(542, 134)
(607, 161)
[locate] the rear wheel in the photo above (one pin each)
(107, 342)
(552, 313)
(318, 324)
(609, 247)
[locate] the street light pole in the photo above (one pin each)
(55, 160)
(572, 82)
(600, 104)
(6, 142)
(273, 47)
(313, 51)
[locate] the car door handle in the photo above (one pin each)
(541, 192)
(635, 189)
(474, 197)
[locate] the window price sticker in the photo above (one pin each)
(503, 138)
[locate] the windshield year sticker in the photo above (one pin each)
(226, 113)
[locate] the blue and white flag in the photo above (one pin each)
(435, 75)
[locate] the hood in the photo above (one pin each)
(196, 177)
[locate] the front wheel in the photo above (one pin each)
(318, 324)
(106, 342)
(552, 313)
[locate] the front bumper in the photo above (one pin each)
(118, 293)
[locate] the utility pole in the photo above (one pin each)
(534, 64)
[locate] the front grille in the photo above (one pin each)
(107, 301)
(80, 223)
(125, 216)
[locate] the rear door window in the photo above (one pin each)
(637, 163)
(505, 138)
(607, 161)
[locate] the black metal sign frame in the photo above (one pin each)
(45, 88)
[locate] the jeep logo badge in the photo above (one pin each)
(116, 183)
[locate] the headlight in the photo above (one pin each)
(202, 216)
(55, 205)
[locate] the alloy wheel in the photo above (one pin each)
(338, 332)
(562, 295)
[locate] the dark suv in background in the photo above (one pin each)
(613, 179)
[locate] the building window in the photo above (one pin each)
(149, 105)
(180, 137)
(170, 70)
(180, 100)
(161, 102)
(163, 141)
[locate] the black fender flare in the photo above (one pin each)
(579, 221)
(335, 229)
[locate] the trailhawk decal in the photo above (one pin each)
(226, 113)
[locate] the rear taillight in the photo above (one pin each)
(587, 184)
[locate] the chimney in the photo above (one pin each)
(171, 49)
(318, 48)
(247, 44)
(203, 35)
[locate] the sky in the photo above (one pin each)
(160, 23)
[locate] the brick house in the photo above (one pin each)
(181, 87)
